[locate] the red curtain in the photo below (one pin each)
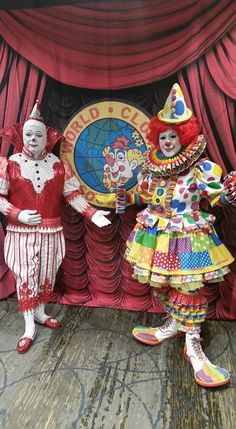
(209, 85)
(116, 44)
(94, 271)
(16, 101)
(210, 90)
(20, 84)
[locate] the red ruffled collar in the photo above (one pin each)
(14, 135)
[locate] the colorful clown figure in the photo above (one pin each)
(32, 184)
(121, 161)
(174, 247)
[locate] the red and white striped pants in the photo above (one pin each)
(34, 259)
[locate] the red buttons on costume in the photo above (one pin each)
(193, 187)
(194, 206)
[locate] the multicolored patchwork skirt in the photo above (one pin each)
(183, 260)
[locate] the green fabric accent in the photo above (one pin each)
(146, 240)
(215, 185)
(199, 244)
(189, 180)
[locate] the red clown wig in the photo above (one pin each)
(187, 131)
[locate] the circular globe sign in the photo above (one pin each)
(105, 145)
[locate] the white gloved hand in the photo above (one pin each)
(99, 218)
(30, 217)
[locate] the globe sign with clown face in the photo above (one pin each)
(105, 145)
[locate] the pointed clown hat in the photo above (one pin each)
(175, 110)
(13, 133)
(36, 112)
(35, 115)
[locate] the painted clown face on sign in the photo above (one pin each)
(34, 137)
(121, 162)
(169, 143)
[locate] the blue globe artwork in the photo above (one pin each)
(107, 152)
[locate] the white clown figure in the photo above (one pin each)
(32, 184)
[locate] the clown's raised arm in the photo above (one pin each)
(32, 183)
(174, 247)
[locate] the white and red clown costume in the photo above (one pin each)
(34, 252)
(174, 247)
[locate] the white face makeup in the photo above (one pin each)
(34, 137)
(169, 143)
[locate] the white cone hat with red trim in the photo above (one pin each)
(175, 110)
(35, 117)
(36, 112)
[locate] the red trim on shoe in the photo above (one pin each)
(48, 323)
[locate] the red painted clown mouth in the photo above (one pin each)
(168, 149)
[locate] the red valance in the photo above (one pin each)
(117, 44)
(112, 45)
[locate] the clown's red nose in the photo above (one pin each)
(167, 144)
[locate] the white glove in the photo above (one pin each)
(99, 218)
(30, 217)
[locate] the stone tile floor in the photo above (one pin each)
(93, 375)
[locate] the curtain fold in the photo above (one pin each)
(94, 271)
(209, 85)
(116, 44)
(20, 84)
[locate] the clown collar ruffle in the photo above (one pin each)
(164, 166)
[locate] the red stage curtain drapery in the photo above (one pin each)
(214, 74)
(16, 101)
(209, 85)
(17, 96)
(116, 44)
